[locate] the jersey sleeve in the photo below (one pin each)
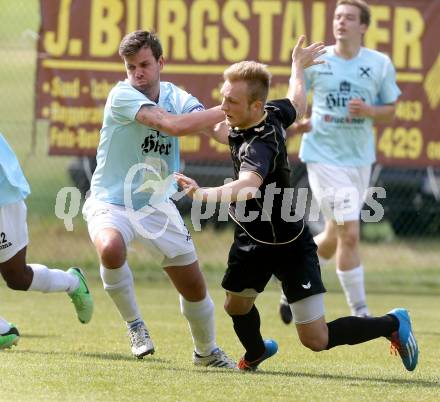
(258, 157)
(389, 91)
(192, 104)
(126, 102)
(283, 111)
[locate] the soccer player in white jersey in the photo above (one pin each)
(130, 190)
(355, 88)
(13, 244)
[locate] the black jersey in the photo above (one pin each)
(262, 149)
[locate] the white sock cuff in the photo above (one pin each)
(354, 274)
(4, 326)
(116, 278)
(41, 280)
(197, 310)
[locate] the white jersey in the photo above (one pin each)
(336, 137)
(135, 161)
(13, 185)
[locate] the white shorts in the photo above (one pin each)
(340, 191)
(160, 228)
(13, 229)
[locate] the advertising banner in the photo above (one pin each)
(78, 62)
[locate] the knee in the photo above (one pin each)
(228, 308)
(316, 343)
(349, 238)
(233, 308)
(15, 280)
(111, 250)
(194, 291)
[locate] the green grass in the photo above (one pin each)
(60, 359)
(390, 266)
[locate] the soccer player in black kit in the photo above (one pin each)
(267, 239)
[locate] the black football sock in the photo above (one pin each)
(354, 330)
(247, 328)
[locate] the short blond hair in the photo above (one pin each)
(362, 6)
(256, 75)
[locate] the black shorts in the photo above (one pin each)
(251, 265)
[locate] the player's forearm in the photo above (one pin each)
(237, 190)
(195, 122)
(297, 93)
(382, 114)
(179, 125)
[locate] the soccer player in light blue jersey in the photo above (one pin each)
(13, 244)
(355, 88)
(130, 194)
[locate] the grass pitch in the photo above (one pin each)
(58, 358)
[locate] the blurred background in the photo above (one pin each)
(400, 250)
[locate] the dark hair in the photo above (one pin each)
(135, 41)
(362, 6)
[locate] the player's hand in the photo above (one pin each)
(358, 108)
(307, 56)
(189, 185)
(303, 126)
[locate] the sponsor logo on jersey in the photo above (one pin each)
(343, 120)
(364, 72)
(325, 69)
(157, 143)
(340, 98)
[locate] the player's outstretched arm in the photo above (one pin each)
(244, 188)
(302, 57)
(179, 125)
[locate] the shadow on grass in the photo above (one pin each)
(38, 336)
(101, 356)
(343, 378)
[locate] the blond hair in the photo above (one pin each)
(254, 74)
(362, 6)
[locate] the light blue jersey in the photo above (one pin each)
(13, 185)
(336, 138)
(135, 161)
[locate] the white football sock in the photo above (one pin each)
(200, 316)
(352, 282)
(4, 326)
(52, 280)
(119, 285)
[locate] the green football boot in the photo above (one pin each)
(10, 338)
(81, 297)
